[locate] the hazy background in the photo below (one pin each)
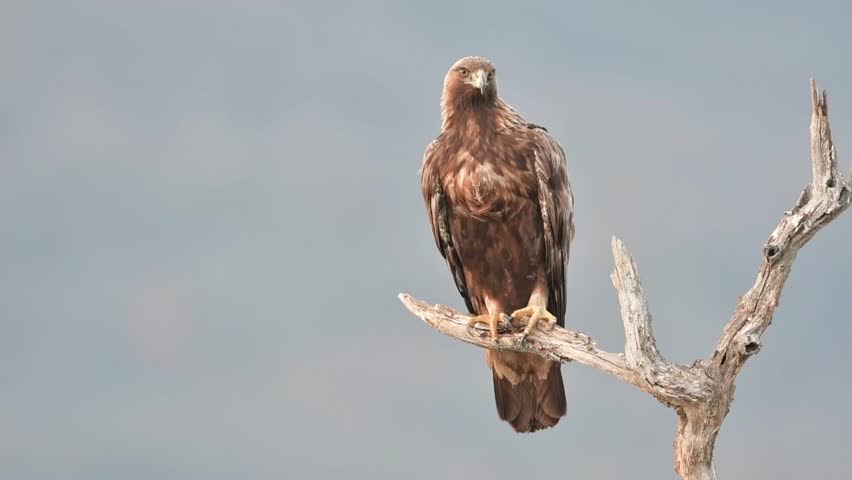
(208, 209)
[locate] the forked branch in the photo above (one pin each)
(702, 393)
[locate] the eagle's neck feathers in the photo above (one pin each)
(477, 117)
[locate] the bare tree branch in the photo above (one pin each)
(640, 347)
(558, 344)
(701, 394)
(673, 382)
(820, 202)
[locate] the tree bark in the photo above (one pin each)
(701, 394)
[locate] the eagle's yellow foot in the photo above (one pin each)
(535, 314)
(492, 320)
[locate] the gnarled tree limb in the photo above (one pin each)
(701, 394)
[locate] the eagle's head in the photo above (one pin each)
(470, 81)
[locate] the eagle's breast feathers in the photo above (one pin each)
(492, 181)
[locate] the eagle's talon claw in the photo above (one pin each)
(492, 320)
(536, 316)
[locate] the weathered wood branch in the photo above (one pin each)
(558, 344)
(702, 393)
(674, 382)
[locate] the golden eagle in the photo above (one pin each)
(499, 200)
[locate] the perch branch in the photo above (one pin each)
(701, 394)
(674, 383)
(558, 344)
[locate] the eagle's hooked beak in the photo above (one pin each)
(480, 80)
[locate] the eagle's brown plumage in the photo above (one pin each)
(501, 209)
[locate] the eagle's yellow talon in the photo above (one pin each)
(492, 320)
(536, 315)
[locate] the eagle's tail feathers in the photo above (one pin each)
(532, 404)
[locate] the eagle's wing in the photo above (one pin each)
(438, 209)
(556, 202)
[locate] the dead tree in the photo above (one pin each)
(700, 393)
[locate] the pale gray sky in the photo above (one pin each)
(209, 208)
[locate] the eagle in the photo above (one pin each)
(501, 210)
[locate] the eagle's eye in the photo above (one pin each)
(490, 74)
(463, 72)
